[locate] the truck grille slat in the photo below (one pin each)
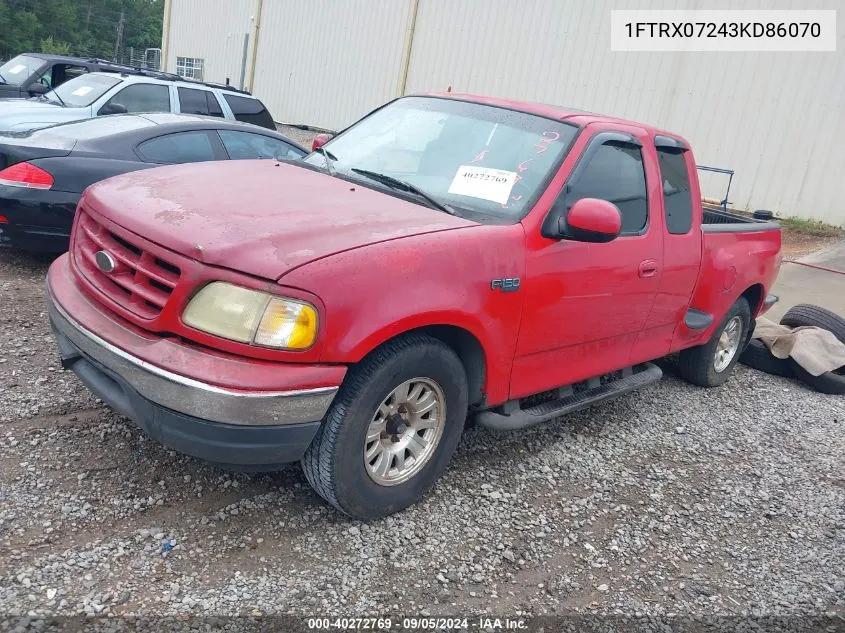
(141, 282)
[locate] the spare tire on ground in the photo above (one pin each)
(805, 314)
(758, 356)
(832, 382)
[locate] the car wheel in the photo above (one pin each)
(805, 314)
(391, 430)
(758, 356)
(711, 364)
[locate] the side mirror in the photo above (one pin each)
(112, 108)
(592, 220)
(38, 89)
(320, 140)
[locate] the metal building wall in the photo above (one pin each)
(778, 119)
(326, 62)
(212, 30)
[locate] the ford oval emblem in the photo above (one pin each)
(105, 261)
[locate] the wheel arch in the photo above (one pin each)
(754, 295)
(464, 343)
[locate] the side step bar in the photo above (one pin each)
(515, 418)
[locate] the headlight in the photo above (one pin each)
(252, 317)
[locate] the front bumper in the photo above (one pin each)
(211, 422)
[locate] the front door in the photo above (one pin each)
(586, 303)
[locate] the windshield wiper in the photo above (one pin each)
(330, 158)
(3, 79)
(401, 185)
(56, 94)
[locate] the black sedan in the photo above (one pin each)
(44, 172)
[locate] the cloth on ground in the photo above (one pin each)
(816, 350)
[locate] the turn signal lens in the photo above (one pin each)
(287, 324)
(252, 317)
(26, 175)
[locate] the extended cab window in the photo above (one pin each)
(245, 146)
(184, 147)
(142, 98)
(250, 111)
(677, 199)
(614, 172)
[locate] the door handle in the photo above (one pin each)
(648, 268)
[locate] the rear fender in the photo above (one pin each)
(733, 265)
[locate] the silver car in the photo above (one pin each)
(100, 93)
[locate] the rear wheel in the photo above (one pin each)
(391, 430)
(711, 364)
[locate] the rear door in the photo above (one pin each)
(682, 240)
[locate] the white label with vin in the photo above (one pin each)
(484, 183)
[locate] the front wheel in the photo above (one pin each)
(711, 364)
(391, 430)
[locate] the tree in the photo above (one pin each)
(78, 27)
(54, 47)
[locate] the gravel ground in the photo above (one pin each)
(672, 500)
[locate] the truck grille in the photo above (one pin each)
(141, 281)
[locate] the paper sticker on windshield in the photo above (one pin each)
(82, 91)
(482, 182)
(16, 69)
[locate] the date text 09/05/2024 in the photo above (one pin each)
(417, 624)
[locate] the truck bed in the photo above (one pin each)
(720, 221)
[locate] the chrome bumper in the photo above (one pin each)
(186, 395)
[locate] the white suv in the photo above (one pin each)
(101, 93)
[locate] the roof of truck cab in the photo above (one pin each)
(563, 113)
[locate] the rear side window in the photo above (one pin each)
(245, 146)
(250, 111)
(615, 173)
(193, 101)
(183, 147)
(677, 198)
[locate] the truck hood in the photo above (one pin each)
(257, 216)
(28, 114)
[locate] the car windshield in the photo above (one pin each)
(18, 69)
(471, 157)
(82, 91)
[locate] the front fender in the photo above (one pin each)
(375, 293)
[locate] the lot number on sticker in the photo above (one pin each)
(484, 183)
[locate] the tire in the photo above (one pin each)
(832, 382)
(698, 365)
(335, 463)
(805, 314)
(758, 356)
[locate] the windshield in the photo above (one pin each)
(82, 91)
(472, 157)
(18, 69)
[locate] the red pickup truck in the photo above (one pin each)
(445, 257)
